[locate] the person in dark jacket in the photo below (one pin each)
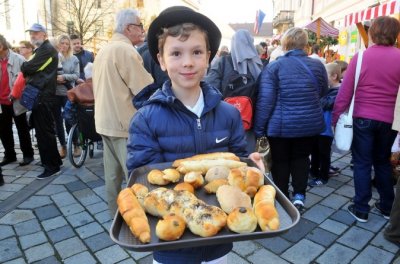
(288, 112)
(321, 153)
(84, 56)
(185, 117)
(41, 71)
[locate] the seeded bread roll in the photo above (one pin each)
(242, 220)
(171, 227)
(140, 191)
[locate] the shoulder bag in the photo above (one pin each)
(344, 127)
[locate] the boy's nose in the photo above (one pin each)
(187, 61)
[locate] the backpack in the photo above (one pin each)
(240, 90)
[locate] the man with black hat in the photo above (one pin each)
(41, 72)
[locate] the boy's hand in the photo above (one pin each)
(257, 159)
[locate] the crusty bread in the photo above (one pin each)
(194, 178)
(184, 186)
(217, 172)
(158, 201)
(242, 220)
(134, 215)
(171, 227)
(171, 175)
(247, 179)
(213, 186)
(204, 165)
(231, 197)
(264, 208)
(156, 177)
(209, 156)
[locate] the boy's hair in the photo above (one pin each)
(333, 68)
(182, 31)
(343, 65)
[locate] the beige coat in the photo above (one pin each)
(396, 119)
(118, 75)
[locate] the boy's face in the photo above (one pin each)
(186, 61)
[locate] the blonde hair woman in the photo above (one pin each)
(288, 112)
(67, 74)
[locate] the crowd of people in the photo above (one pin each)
(165, 102)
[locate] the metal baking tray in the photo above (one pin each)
(120, 233)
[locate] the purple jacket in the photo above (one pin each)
(377, 86)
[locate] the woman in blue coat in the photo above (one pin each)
(288, 112)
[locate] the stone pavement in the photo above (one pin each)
(65, 220)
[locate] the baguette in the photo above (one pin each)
(208, 156)
(264, 208)
(204, 165)
(134, 215)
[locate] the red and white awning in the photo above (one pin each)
(323, 27)
(386, 9)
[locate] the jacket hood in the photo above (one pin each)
(165, 95)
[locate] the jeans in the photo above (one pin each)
(290, 157)
(372, 142)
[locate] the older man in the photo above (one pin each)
(118, 75)
(41, 71)
(10, 67)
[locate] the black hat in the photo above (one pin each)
(176, 15)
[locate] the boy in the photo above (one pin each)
(185, 117)
(321, 154)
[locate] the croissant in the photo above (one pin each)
(264, 208)
(204, 165)
(209, 156)
(134, 215)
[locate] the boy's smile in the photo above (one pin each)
(185, 61)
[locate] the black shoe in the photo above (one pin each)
(359, 216)
(26, 161)
(6, 161)
(385, 215)
(48, 173)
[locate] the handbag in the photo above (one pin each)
(29, 96)
(263, 147)
(344, 127)
(18, 108)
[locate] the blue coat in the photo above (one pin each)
(327, 103)
(288, 99)
(164, 130)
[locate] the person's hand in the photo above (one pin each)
(257, 159)
(79, 81)
(11, 98)
(60, 79)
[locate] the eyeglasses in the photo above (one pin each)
(138, 25)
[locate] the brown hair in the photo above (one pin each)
(3, 42)
(27, 44)
(182, 31)
(294, 38)
(384, 30)
(333, 68)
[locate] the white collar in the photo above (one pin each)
(197, 109)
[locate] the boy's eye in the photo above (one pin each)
(198, 52)
(175, 53)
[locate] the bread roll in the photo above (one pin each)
(184, 186)
(242, 220)
(171, 175)
(231, 197)
(158, 202)
(264, 208)
(213, 186)
(217, 172)
(171, 227)
(204, 165)
(209, 156)
(247, 179)
(140, 191)
(134, 215)
(156, 177)
(194, 178)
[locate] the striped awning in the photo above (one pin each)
(325, 28)
(387, 9)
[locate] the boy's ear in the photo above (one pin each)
(208, 57)
(161, 61)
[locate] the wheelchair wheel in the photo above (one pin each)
(81, 143)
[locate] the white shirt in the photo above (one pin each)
(197, 109)
(315, 56)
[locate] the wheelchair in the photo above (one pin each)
(82, 135)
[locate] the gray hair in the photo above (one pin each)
(125, 17)
(88, 70)
(294, 38)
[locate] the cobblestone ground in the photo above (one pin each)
(65, 220)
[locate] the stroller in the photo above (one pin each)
(80, 114)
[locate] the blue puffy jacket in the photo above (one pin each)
(164, 130)
(288, 97)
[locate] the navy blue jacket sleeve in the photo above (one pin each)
(266, 99)
(142, 147)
